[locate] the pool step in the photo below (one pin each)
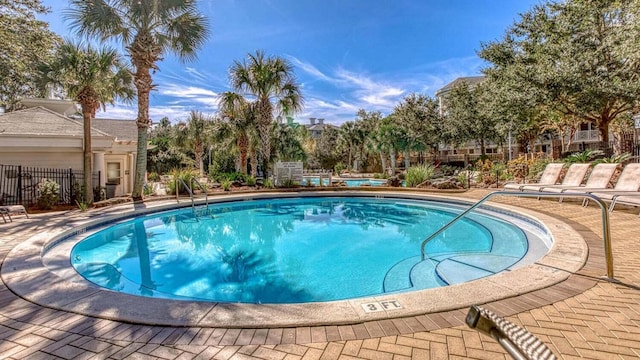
(462, 268)
(410, 273)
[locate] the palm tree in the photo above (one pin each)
(239, 118)
(193, 134)
(271, 83)
(94, 78)
(148, 29)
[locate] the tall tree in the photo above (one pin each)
(271, 83)
(238, 117)
(194, 135)
(26, 42)
(348, 138)
(579, 58)
(148, 30)
(467, 117)
(165, 154)
(93, 78)
(420, 119)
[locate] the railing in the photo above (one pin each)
(19, 184)
(606, 232)
(191, 195)
(193, 205)
(204, 190)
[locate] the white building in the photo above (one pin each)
(44, 135)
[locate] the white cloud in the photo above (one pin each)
(310, 69)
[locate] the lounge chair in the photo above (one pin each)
(574, 177)
(633, 200)
(627, 184)
(7, 211)
(599, 178)
(550, 176)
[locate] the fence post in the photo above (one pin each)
(20, 184)
(71, 186)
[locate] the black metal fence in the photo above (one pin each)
(19, 184)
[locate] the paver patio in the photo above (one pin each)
(583, 317)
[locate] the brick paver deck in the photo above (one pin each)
(583, 317)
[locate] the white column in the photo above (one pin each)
(101, 166)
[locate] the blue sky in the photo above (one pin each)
(348, 54)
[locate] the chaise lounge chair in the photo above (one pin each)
(599, 178)
(627, 184)
(550, 176)
(573, 178)
(7, 211)
(632, 199)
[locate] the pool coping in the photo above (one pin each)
(25, 274)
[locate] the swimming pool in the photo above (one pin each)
(305, 249)
(349, 182)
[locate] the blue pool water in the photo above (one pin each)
(349, 182)
(296, 250)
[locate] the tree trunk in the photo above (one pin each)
(407, 160)
(254, 163)
(143, 84)
(264, 128)
(199, 153)
(392, 157)
(383, 162)
(87, 167)
(483, 151)
(603, 129)
(242, 144)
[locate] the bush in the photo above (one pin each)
(268, 184)
(49, 194)
(153, 176)
(185, 175)
(226, 184)
(231, 176)
(251, 181)
(416, 175)
(338, 168)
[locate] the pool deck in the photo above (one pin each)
(583, 316)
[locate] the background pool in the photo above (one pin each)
(296, 250)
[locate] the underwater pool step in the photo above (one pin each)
(461, 268)
(412, 273)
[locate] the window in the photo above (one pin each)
(113, 173)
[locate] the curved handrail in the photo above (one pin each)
(193, 206)
(606, 232)
(204, 190)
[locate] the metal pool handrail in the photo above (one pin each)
(193, 206)
(606, 232)
(206, 195)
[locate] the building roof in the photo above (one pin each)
(64, 107)
(40, 121)
(470, 80)
(123, 130)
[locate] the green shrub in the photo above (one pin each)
(232, 176)
(185, 175)
(268, 184)
(250, 180)
(147, 190)
(584, 156)
(153, 176)
(616, 159)
(49, 194)
(99, 193)
(416, 175)
(82, 206)
(338, 168)
(226, 184)
(288, 183)
(380, 176)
